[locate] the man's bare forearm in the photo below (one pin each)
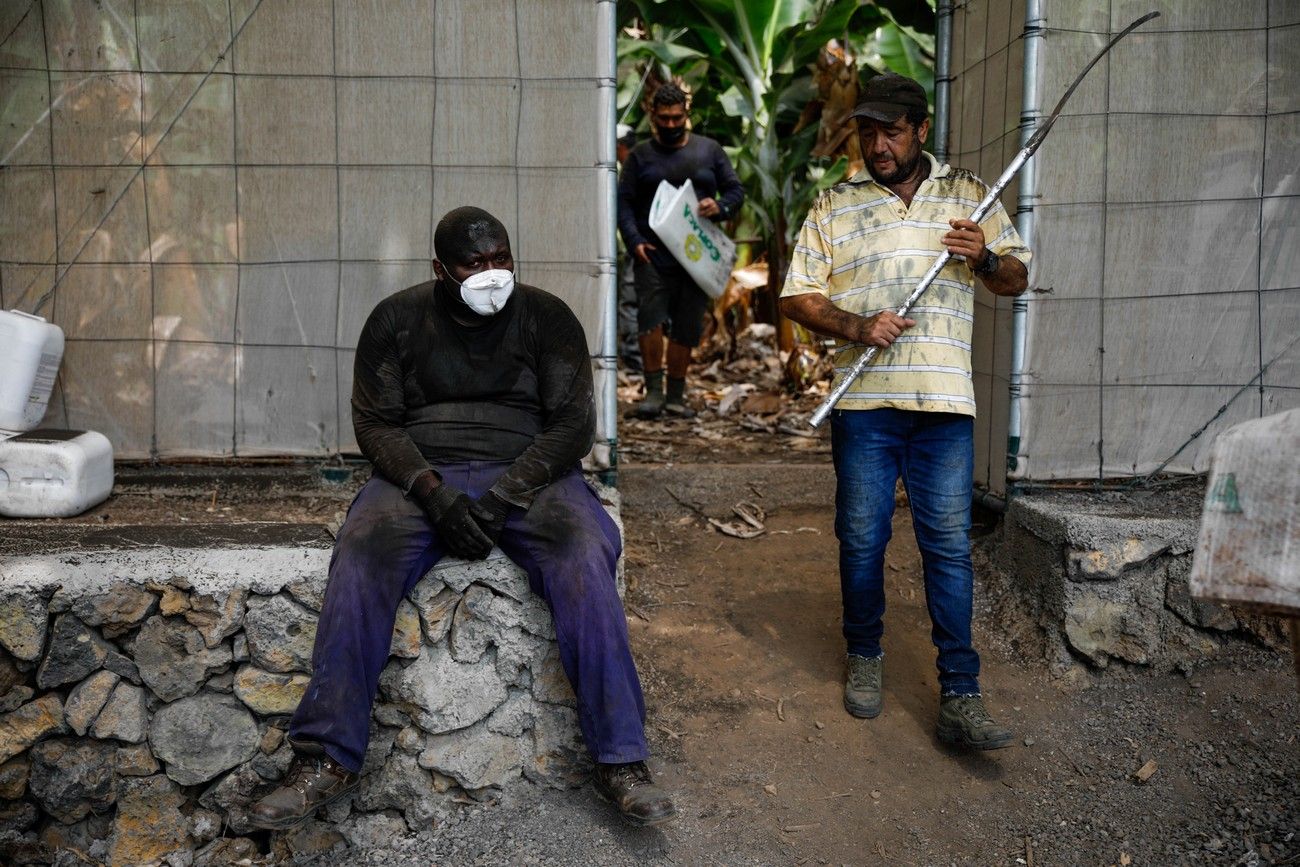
(817, 313)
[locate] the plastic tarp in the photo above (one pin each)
(1165, 289)
(219, 192)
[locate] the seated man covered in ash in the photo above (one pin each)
(473, 399)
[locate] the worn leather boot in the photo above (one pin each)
(652, 406)
(964, 721)
(633, 791)
(675, 399)
(311, 782)
(862, 686)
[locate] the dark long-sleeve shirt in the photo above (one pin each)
(701, 160)
(516, 387)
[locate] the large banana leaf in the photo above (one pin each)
(670, 53)
(894, 48)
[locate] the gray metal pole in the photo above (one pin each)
(1030, 113)
(942, 78)
(607, 361)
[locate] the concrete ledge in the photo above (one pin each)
(147, 672)
(25, 539)
(1104, 579)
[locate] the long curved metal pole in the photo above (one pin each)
(976, 216)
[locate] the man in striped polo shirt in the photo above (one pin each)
(862, 250)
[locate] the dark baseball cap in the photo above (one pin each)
(886, 97)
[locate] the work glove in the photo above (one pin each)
(489, 512)
(449, 510)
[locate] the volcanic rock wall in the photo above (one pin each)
(145, 694)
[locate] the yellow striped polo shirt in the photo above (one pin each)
(864, 250)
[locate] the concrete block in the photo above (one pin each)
(1103, 578)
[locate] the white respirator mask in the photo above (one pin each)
(487, 291)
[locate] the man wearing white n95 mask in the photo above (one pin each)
(473, 399)
(487, 291)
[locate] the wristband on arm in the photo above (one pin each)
(988, 266)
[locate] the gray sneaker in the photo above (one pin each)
(862, 686)
(964, 721)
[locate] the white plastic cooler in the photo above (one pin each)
(54, 473)
(43, 473)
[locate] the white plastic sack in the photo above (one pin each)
(1248, 552)
(699, 244)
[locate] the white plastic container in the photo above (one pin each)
(54, 473)
(31, 350)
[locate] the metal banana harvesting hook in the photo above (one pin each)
(976, 216)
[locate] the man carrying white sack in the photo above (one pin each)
(667, 297)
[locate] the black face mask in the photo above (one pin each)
(670, 135)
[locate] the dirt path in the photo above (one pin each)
(742, 660)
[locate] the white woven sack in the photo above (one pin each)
(699, 244)
(1248, 552)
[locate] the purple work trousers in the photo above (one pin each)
(567, 545)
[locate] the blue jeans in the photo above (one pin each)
(568, 546)
(934, 454)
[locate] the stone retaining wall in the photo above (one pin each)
(1100, 580)
(144, 695)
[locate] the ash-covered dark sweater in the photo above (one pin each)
(516, 386)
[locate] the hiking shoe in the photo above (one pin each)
(633, 791)
(310, 783)
(862, 686)
(964, 721)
